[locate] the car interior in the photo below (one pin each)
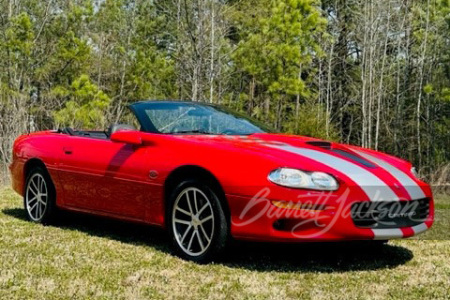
(97, 134)
(126, 121)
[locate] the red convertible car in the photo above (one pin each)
(207, 174)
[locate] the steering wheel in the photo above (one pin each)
(174, 129)
(68, 130)
(229, 131)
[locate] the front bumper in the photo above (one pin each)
(260, 220)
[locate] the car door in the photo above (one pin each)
(105, 176)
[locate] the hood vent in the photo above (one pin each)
(321, 144)
(354, 157)
(350, 155)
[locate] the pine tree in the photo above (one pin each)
(275, 53)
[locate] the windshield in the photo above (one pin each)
(193, 118)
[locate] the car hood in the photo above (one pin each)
(381, 176)
(271, 144)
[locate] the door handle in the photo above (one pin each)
(67, 150)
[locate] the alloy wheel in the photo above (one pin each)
(36, 197)
(193, 221)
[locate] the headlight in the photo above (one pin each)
(305, 180)
(415, 173)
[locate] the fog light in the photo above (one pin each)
(299, 206)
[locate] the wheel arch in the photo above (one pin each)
(30, 164)
(194, 172)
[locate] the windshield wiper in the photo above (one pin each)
(193, 131)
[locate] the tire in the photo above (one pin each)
(196, 222)
(39, 198)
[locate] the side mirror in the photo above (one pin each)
(132, 137)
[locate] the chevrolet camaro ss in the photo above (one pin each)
(207, 174)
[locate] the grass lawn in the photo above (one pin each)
(88, 257)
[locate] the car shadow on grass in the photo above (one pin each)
(317, 257)
(305, 257)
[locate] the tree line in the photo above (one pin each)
(368, 72)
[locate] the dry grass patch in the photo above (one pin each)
(83, 257)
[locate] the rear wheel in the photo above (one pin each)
(39, 196)
(196, 222)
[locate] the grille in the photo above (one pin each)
(390, 214)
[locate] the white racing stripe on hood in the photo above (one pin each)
(375, 188)
(413, 189)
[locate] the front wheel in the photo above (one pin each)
(197, 222)
(39, 196)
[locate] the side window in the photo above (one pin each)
(127, 117)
